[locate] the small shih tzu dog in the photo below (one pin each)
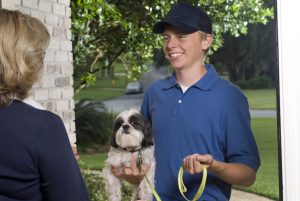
(131, 135)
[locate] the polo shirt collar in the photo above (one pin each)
(205, 83)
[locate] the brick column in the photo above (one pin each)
(55, 91)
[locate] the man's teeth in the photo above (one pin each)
(176, 54)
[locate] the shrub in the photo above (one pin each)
(259, 82)
(96, 187)
(93, 125)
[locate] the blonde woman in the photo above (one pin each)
(37, 162)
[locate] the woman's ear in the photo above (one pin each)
(207, 41)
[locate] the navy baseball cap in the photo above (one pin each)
(185, 18)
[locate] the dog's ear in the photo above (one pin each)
(148, 136)
(113, 142)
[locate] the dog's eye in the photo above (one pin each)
(118, 124)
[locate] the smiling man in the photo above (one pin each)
(197, 117)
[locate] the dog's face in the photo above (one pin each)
(131, 132)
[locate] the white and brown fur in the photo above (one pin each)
(131, 134)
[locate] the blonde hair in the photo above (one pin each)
(23, 41)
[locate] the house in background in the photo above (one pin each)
(54, 91)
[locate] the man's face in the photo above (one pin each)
(182, 50)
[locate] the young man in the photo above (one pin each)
(197, 117)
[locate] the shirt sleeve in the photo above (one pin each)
(241, 146)
(60, 176)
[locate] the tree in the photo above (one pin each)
(105, 32)
(251, 57)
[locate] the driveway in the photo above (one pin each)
(135, 100)
(124, 102)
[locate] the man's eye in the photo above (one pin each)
(165, 38)
(182, 35)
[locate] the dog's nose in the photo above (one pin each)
(125, 126)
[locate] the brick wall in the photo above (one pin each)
(54, 91)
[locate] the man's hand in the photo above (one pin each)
(132, 174)
(232, 173)
(192, 163)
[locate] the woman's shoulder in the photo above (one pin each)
(34, 112)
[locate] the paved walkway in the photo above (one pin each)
(244, 196)
(236, 195)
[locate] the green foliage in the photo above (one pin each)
(96, 187)
(258, 82)
(105, 32)
(249, 57)
(93, 125)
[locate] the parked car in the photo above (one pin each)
(134, 88)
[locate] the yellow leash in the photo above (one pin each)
(155, 194)
(181, 185)
(139, 163)
(183, 189)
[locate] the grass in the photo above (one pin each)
(261, 99)
(100, 94)
(104, 89)
(93, 161)
(267, 177)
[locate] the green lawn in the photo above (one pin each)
(104, 89)
(93, 161)
(266, 184)
(261, 98)
(267, 177)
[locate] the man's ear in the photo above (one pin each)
(207, 41)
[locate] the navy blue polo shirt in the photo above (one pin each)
(211, 117)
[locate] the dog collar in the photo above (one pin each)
(132, 149)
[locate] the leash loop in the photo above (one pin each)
(181, 185)
(183, 189)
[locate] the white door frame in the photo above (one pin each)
(288, 19)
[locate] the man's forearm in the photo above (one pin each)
(233, 173)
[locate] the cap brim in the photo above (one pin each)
(160, 27)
